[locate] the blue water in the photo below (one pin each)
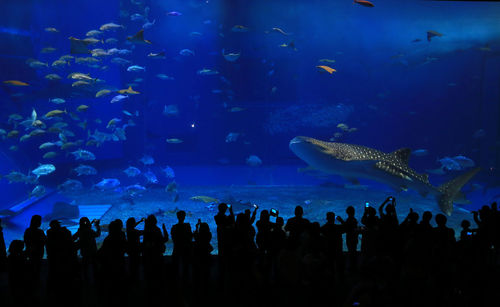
(439, 95)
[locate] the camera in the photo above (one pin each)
(367, 204)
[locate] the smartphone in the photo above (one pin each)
(273, 215)
(367, 204)
(469, 233)
(228, 206)
(255, 206)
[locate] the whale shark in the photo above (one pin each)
(356, 161)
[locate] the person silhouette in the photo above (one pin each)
(350, 226)
(182, 238)
(296, 226)
(3, 251)
(35, 241)
(134, 247)
(85, 238)
(20, 280)
(333, 235)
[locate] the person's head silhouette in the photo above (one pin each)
(181, 215)
(299, 211)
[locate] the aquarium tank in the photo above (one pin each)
(127, 108)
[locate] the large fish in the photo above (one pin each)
(354, 161)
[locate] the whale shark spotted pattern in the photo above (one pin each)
(355, 161)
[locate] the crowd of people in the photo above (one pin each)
(297, 263)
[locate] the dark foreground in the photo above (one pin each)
(297, 263)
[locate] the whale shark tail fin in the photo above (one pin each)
(450, 190)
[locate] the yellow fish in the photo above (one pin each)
(16, 83)
(102, 93)
(54, 113)
(13, 134)
(129, 90)
(82, 108)
(326, 68)
(174, 141)
(205, 199)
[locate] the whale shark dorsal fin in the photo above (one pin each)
(403, 154)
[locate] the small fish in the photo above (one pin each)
(51, 30)
(43, 170)
(236, 109)
(279, 31)
(364, 3)
(164, 77)
(82, 108)
(148, 24)
(232, 137)
(147, 160)
(111, 40)
(431, 34)
(253, 160)
(231, 57)
(48, 50)
(57, 100)
(84, 155)
(169, 172)
(416, 40)
(158, 55)
(85, 170)
(118, 98)
(150, 177)
(174, 13)
(102, 93)
(107, 183)
(38, 191)
(174, 141)
(328, 69)
(15, 83)
(50, 155)
(52, 77)
(205, 199)
(54, 113)
(110, 26)
(135, 68)
(70, 185)
(93, 33)
(239, 28)
(207, 72)
(79, 83)
(195, 34)
(132, 171)
(136, 16)
(290, 45)
(186, 52)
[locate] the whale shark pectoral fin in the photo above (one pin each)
(402, 154)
